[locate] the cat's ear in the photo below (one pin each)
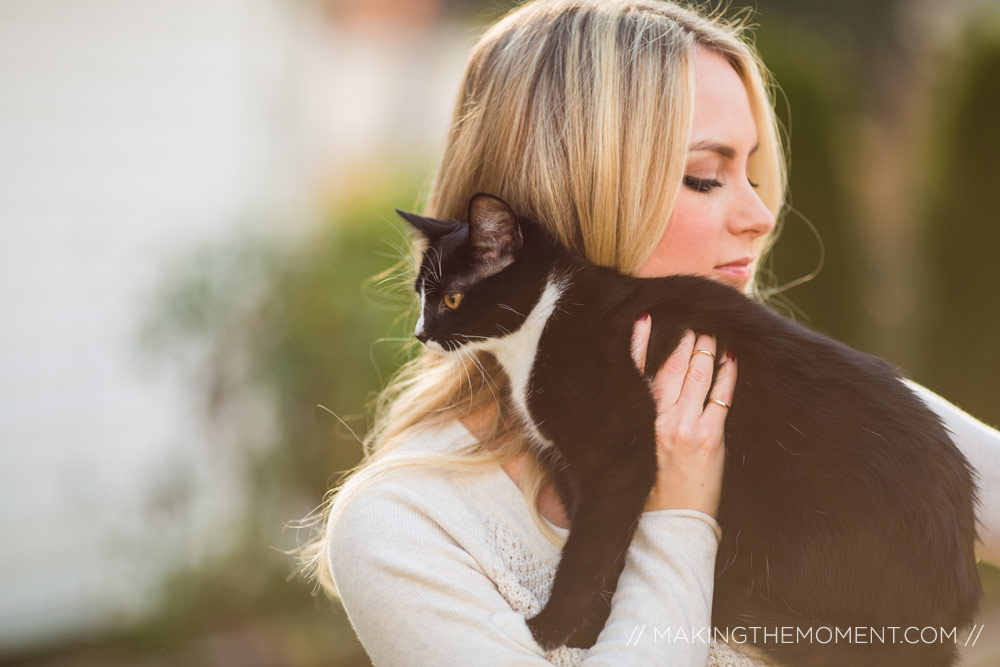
(431, 228)
(494, 232)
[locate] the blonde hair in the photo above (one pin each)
(577, 113)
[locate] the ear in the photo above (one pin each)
(431, 228)
(494, 232)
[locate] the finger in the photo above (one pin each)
(724, 386)
(670, 378)
(640, 339)
(698, 379)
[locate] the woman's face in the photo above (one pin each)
(718, 220)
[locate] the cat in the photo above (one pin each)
(844, 501)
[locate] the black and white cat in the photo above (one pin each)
(844, 501)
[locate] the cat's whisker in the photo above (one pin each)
(436, 271)
(395, 279)
(402, 254)
(397, 229)
(432, 270)
(486, 377)
(440, 268)
(465, 367)
(506, 307)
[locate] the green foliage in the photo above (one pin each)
(341, 336)
(311, 323)
(322, 320)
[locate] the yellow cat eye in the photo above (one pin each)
(452, 299)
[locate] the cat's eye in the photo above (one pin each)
(452, 299)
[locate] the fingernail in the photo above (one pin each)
(643, 316)
(729, 356)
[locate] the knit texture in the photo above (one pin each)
(444, 568)
(525, 581)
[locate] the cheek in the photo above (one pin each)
(689, 243)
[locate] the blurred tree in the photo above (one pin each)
(301, 324)
(962, 229)
(310, 324)
(813, 91)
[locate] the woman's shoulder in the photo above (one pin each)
(409, 490)
(448, 437)
(421, 480)
(413, 473)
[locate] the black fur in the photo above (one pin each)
(844, 504)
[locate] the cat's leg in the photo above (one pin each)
(602, 527)
(592, 622)
(561, 476)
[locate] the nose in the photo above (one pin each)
(422, 337)
(751, 215)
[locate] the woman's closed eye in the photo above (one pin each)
(701, 184)
(708, 184)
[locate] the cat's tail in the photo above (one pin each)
(791, 639)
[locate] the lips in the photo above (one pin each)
(743, 262)
(738, 271)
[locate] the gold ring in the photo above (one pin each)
(722, 403)
(703, 351)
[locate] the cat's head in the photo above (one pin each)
(475, 282)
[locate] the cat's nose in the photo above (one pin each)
(422, 337)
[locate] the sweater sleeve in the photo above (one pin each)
(981, 446)
(416, 597)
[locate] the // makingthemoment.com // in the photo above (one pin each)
(819, 635)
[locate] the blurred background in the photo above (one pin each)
(194, 196)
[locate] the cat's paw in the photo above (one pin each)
(549, 631)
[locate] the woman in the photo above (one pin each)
(643, 135)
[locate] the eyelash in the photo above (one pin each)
(708, 184)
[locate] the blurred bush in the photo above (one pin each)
(304, 323)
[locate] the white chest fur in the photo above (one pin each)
(516, 352)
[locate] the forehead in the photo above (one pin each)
(721, 105)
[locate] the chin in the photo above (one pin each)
(739, 284)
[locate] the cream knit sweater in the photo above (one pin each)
(439, 568)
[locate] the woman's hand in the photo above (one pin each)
(690, 447)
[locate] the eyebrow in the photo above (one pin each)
(724, 150)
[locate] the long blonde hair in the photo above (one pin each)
(577, 113)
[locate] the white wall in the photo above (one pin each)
(128, 130)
